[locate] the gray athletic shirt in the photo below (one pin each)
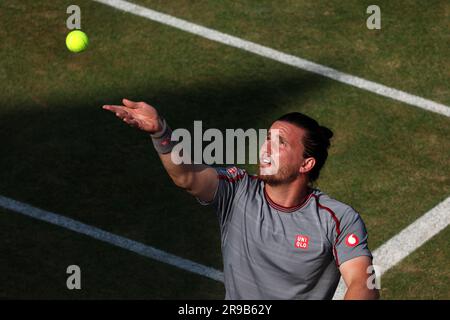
(274, 252)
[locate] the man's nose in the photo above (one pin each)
(266, 147)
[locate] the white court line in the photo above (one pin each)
(110, 238)
(278, 56)
(408, 240)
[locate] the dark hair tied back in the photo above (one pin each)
(326, 133)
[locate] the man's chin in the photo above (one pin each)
(267, 170)
(267, 175)
(271, 180)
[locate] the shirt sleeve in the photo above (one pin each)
(352, 240)
(231, 182)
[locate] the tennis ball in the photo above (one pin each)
(77, 41)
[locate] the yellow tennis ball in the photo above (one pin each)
(77, 41)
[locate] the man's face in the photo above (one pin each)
(281, 155)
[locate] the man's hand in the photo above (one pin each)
(137, 114)
(199, 180)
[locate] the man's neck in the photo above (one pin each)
(288, 195)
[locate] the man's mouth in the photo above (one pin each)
(266, 161)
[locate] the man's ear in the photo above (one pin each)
(308, 165)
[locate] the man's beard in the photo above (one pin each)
(284, 175)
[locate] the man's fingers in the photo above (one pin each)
(122, 114)
(132, 122)
(112, 108)
(130, 104)
(118, 110)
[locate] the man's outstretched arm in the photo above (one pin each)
(197, 179)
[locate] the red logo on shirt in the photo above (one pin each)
(232, 170)
(351, 240)
(165, 142)
(301, 241)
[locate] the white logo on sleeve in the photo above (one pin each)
(351, 240)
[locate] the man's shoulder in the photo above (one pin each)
(234, 174)
(336, 208)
